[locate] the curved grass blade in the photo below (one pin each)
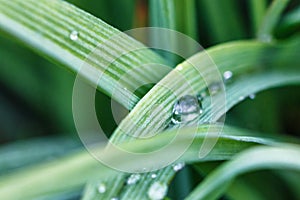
(47, 27)
(265, 32)
(250, 57)
(280, 157)
(59, 176)
(24, 153)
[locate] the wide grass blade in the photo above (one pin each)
(59, 176)
(47, 28)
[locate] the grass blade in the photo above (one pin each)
(281, 157)
(265, 32)
(58, 176)
(257, 9)
(47, 28)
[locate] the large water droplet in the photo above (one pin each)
(252, 96)
(186, 109)
(101, 188)
(74, 35)
(214, 88)
(133, 178)
(227, 75)
(157, 191)
(178, 166)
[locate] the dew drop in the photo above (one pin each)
(133, 178)
(179, 67)
(241, 98)
(114, 198)
(153, 175)
(252, 96)
(266, 38)
(178, 166)
(186, 109)
(157, 191)
(227, 75)
(101, 188)
(74, 35)
(214, 88)
(202, 95)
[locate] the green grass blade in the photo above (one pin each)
(265, 32)
(162, 14)
(290, 22)
(257, 9)
(186, 17)
(71, 172)
(249, 58)
(24, 153)
(47, 28)
(281, 157)
(223, 20)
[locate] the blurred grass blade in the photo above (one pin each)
(265, 32)
(280, 157)
(73, 171)
(186, 17)
(257, 9)
(162, 13)
(290, 22)
(223, 20)
(24, 153)
(46, 27)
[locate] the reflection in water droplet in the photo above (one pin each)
(153, 175)
(157, 191)
(252, 96)
(101, 188)
(186, 109)
(74, 35)
(227, 75)
(133, 178)
(214, 88)
(178, 166)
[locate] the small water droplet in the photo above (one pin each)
(179, 67)
(186, 109)
(178, 166)
(266, 38)
(74, 35)
(133, 178)
(201, 96)
(153, 175)
(227, 75)
(101, 188)
(157, 191)
(114, 198)
(214, 88)
(241, 98)
(252, 96)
